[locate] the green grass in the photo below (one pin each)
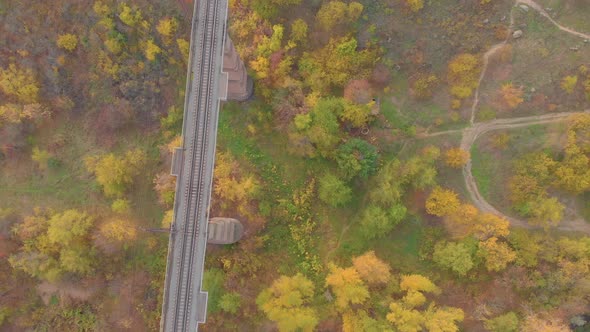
(482, 170)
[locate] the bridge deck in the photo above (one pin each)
(185, 304)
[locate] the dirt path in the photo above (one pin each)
(486, 61)
(471, 134)
(542, 11)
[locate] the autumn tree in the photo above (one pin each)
(41, 158)
(167, 27)
(347, 285)
(511, 95)
(371, 269)
(334, 191)
(456, 157)
(411, 313)
(116, 173)
(356, 157)
(287, 302)
(415, 5)
(423, 86)
(56, 244)
(463, 75)
(19, 84)
(165, 186)
(67, 41)
(568, 83)
(151, 50)
(442, 202)
(118, 230)
(130, 16)
(336, 12)
(231, 185)
(497, 255)
(336, 64)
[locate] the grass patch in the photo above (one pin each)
(482, 170)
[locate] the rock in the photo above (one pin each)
(517, 34)
(525, 8)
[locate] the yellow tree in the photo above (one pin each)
(119, 230)
(167, 27)
(115, 173)
(347, 285)
(442, 202)
(405, 319)
(41, 158)
(463, 75)
(67, 41)
(442, 319)
(497, 255)
(152, 50)
(19, 83)
(568, 84)
(371, 269)
(456, 157)
(490, 225)
(287, 303)
(415, 5)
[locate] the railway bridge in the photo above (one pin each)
(214, 73)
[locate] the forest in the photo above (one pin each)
(403, 165)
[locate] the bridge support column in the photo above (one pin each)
(239, 84)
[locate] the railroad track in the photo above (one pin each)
(193, 190)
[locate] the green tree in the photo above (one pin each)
(377, 222)
(357, 157)
(507, 322)
(287, 302)
(527, 246)
(324, 130)
(299, 31)
(455, 256)
(333, 191)
(230, 302)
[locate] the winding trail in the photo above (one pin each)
(470, 134)
(542, 11)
